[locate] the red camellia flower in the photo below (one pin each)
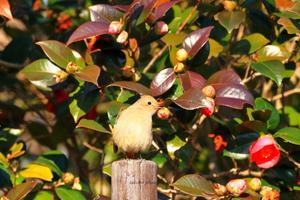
(264, 152)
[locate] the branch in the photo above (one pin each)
(285, 94)
(251, 77)
(235, 171)
(10, 65)
(159, 54)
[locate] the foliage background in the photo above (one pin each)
(46, 132)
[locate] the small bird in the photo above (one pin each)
(132, 132)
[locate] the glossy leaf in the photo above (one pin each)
(250, 126)
(192, 99)
(44, 195)
(195, 185)
(93, 125)
(238, 153)
(65, 193)
(191, 79)
(272, 52)
(225, 76)
(104, 12)
(37, 171)
(173, 145)
(232, 95)
(49, 163)
(41, 72)
(274, 119)
(271, 69)
(19, 192)
(288, 25)
(289, 134)
(251, 43)
(130, 85)
(196, 40)
(147, 6)
(162, 81)
(87, 30)
(161, 10)
(230, 19)
(5, 9)
(173, 39)
(214, 48)
(89, 74)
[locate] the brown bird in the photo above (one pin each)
(132, 132)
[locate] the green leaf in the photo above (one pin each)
(20, 191)
(37, 171)
(250, 43)
(42, 73)
(82, 102)
(293, 115)
(215, 48)
(174, 144)
(44, 195)
(230, 19)
(49, 163)
(65, 193)
(274, 119)
(195, 185)
(173, 39)
(91, 124)
(289, 134)
(238, 153)
(272, 52)
(60, 54)
(271, 69)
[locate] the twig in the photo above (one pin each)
(159, 54)
(87, 145)
(291, 159)
(235, 171)
(251, 77)
(285, 94)
(10, 65)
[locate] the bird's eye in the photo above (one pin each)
(149, 103)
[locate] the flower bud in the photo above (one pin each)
(68, 178)
(236, 186)
(72, 68)
(220, 189)
(60, 76)
(161, 28)
(209, 91)
(179, 67)
(115, 27)
(122, 37)
(269, 194)
(254, 184)
(182, 55)
(128, 71)
(164, 113)
(229, 5)
(210, 108)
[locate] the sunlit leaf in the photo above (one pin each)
(191, 79)
(161, 9)
(5, 9)
(230, 19)
(173, 39)
(89, 74)
(162, 81)
(37, 171)
(104, 12)
(288, 25)
(44, 195)
(49, 163)
(19, 192)
(215, 48)
(93, 125)
(271, 69)
(65, 193)
(250, 43)
(147, 6)
(274, 119)
(225, 76)
(195, 185)
(272, 52)
(87, 30)
(289, 134)
(130, 85)
(196, 40)
(60, 54)
(173, 145)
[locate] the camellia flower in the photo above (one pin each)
(264, 152)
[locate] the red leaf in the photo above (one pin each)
(103, 12)
(196, 40)
(87, 30)
(5, 9)
(191, 80)
(163, 81)
(192, 99)
(90, 74)
(161, 10)
(123, 8)
(130, 85)
(233, 95)
(224, 77)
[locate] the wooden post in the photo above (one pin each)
(134, 180)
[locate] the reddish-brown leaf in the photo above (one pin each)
(161, 10)
(104, 12)
(233, 95)
(90, 74)
(224, 77)
(196, 40)
(87, 30)
(130, 85)
(192, 99)
(162, 82)
(191, 80)
(5, 9)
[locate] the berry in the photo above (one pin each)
(122, 37)
(209, 91)
(179, 67)
(182, 55)
(161, 28)
(254, 184)
(229, 5)
(115, 27)
(164, 113)
(236, 186)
